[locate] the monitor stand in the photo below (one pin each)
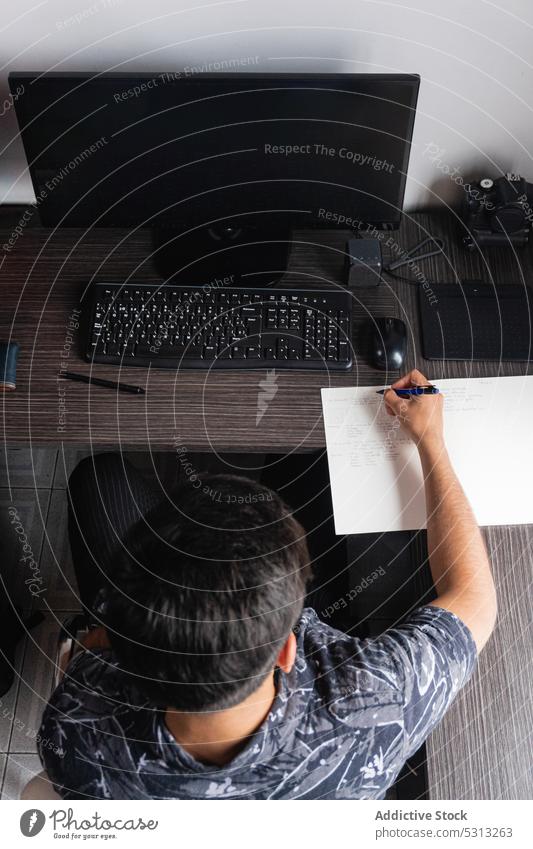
(254, 252)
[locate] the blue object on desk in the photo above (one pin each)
(8, 366)
(414, 390)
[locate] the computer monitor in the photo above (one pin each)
(217, 164)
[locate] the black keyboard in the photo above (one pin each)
(173, 327)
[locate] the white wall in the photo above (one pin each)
(475, 58)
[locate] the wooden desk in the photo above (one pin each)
(43, 279)
(480, 750)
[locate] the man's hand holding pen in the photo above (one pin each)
(421, 415)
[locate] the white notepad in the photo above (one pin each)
(375, 473)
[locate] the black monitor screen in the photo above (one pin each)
(129, 150)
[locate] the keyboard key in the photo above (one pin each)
(344, 351)
(194, 352)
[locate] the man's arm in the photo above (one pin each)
(457, 555)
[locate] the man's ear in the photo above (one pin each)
(287, 655)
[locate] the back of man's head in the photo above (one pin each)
(206, 592)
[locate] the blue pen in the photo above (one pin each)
(415, 390)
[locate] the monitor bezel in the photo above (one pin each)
(17, 79)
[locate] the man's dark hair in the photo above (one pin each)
(206, 592)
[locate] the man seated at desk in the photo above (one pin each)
(209, 680)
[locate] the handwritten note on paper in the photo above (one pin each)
(375, 473)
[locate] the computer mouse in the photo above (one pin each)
(388, 343)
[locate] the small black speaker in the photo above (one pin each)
(363, 263)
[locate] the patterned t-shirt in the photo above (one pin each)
(341, 726)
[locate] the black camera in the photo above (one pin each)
(498, 212)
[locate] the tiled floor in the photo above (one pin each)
(33, 482)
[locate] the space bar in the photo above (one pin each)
(172, 352)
